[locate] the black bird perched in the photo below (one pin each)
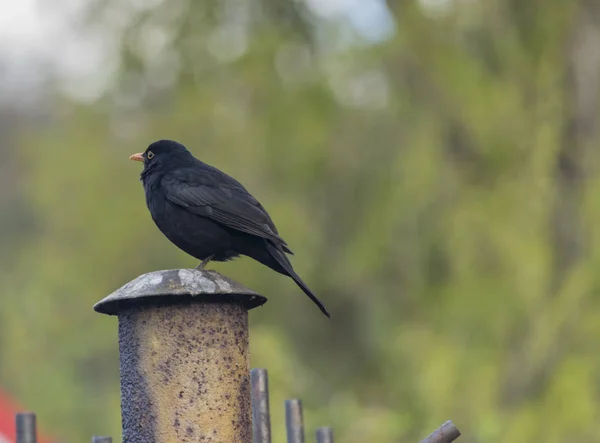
(209, 214)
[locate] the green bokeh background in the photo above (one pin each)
(439, 187)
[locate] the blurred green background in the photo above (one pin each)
(433, 164)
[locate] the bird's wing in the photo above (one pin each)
(222, 200)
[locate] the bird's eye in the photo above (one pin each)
(150, 155)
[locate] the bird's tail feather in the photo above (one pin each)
(283, 261)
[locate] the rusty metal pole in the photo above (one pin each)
(325, 435)
(261, 416)
(446, 433)
(26, 427)
(294, 421)
(184, 363)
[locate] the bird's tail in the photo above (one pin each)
(284, 263)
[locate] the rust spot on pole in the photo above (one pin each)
(183, 346)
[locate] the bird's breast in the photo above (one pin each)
(198, 236)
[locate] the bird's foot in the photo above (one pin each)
(202, 265)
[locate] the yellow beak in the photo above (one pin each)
(137, 157)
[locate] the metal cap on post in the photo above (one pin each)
(183, 348)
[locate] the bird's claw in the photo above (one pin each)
(204, 262)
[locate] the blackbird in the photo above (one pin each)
(209, 214)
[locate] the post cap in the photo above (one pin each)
(176, 286)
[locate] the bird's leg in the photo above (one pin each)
(202, 265)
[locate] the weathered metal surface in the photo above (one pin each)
(178, 286)
(294, 421)
(99, 439)
(324, 435)
(183, 347)
(26, 427)
(261, 420)
(446, 433)
(185, 373)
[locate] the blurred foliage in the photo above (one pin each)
(440, 190)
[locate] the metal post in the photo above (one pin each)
(26, 427)
(261, 420)
(324, 435)
(446, 433)
(183, 348)
(294, 421)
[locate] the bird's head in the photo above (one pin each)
(162, 152)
